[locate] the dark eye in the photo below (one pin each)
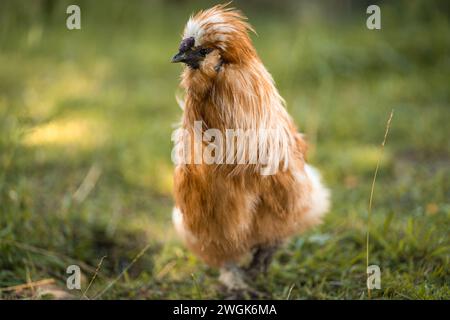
(204, 51)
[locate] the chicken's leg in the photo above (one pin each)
(262, 257)
(233, 278)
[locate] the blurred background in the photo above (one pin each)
(86, 118)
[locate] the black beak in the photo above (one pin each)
(179, 57)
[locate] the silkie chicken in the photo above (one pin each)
(227, 212)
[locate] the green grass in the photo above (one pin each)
(102, 100)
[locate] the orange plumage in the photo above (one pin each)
(224, 211)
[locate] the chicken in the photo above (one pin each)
(226, 210)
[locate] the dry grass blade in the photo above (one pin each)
(165, 270)
(88, 184)
(140, 254)
(29, 285)
(372, 189)
(48, 253)
(290, 291)
(93, 277)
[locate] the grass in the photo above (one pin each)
(85, 171)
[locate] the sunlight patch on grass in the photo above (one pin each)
(45, 90)
(78, 132)
(149, 173)
(362, 158)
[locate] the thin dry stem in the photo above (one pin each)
(372, 189)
